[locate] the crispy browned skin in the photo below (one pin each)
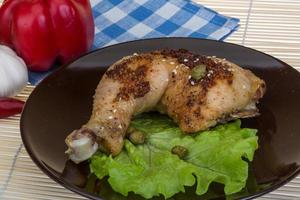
(161, 80)
(226, 92)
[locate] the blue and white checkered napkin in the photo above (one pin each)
(119, 21)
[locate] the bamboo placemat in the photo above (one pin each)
(272, 26)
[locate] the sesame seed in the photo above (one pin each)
(213, 56)
(114, 110)
(164, 60)
(135, 54)
(192, 83)
(120, 126)
(189, 77)
(197, 59)
(110, 117)
(208, 75)
(172, 63)
(244, 87)
(174, 71)
(185, 60)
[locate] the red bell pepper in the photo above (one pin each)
(43, 31)
(9, 107)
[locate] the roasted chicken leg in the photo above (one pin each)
(162, 81)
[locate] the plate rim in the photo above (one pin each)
(83, 193)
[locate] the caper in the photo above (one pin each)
(198, 72)
(137, 137)
(180, 151)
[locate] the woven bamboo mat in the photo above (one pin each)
(272, 26)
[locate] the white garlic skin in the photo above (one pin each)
(13, 72)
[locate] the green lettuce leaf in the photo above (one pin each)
(151, 169)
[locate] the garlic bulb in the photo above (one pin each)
(13, 72)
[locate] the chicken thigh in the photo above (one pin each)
(162, 81)
(225, 92)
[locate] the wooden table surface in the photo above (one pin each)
(272, 26)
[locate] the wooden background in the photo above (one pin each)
(272, 26)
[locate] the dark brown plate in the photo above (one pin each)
(63, 102)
